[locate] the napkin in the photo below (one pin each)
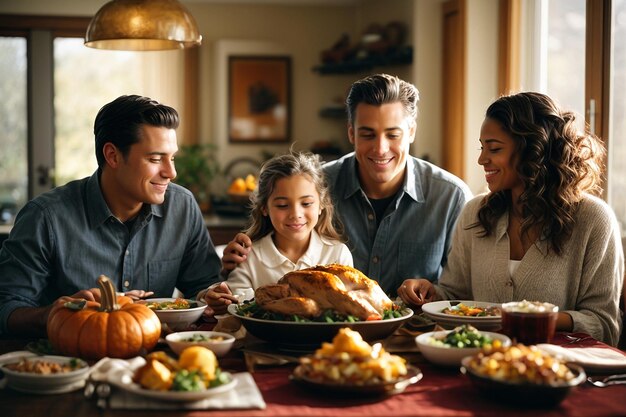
(245, 394)
(590, 358)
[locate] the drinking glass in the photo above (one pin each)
(529, 322)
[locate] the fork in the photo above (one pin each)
(574, 339)
(608, 381)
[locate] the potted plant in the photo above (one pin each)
(196, 167)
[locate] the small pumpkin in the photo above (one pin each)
(116, 327)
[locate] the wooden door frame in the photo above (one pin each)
(453, 88)
(509, 46)
(598, 72)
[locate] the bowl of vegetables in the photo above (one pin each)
(522, 376)
(449, 347)
(176, 314)
(218, 342)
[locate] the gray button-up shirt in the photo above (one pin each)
(413, 238)
(64, 239)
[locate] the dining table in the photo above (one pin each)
(442, 391)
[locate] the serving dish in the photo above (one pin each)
(122, 377)
(177, 320)
(49, 383)
(177, 341)
(434, 311)
(525, 395)
(413, 375)
(451, 356)
(124, 380)
(309, 335)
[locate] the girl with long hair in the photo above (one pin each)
(291, 227)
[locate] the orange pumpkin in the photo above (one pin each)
(115, 327)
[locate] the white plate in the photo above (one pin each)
(434, 311)
(124, 380)
(44, 384)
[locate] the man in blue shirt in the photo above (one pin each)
(398, 211)
(126, 221)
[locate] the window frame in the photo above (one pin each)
(40, 31)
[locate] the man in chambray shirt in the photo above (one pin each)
(398, 211)
(127, 221)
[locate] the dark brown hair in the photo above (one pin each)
(556, 163)
(382, 89)
(285, 166)
(120, 121)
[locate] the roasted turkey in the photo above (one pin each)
(308, 292)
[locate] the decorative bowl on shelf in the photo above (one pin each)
(242, 198)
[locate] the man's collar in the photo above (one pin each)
(410, 185)
(99, 211)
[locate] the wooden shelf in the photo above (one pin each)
(403, 56)
(333, 112)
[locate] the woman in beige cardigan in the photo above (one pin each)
(541, 233)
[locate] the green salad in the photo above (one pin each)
(250, 308)
(465, 336)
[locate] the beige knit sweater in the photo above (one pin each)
(585, 281)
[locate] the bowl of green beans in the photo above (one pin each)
(449, 347)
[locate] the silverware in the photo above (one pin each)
(608, 381)
(574, 339)
(100, 391)
(103, 391)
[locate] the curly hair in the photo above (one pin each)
(556, 163)
(285, 166)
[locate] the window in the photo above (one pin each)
(103, 76)
(13, 158)
(617, 112)
(52, 88)
(579, 58)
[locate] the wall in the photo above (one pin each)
(481, 81)
(427, 36)
(299, 31)
(303, 31)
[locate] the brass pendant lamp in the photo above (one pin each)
(142, 25)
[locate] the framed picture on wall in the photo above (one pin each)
(259, 99)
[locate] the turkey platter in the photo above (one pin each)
(308, 293)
